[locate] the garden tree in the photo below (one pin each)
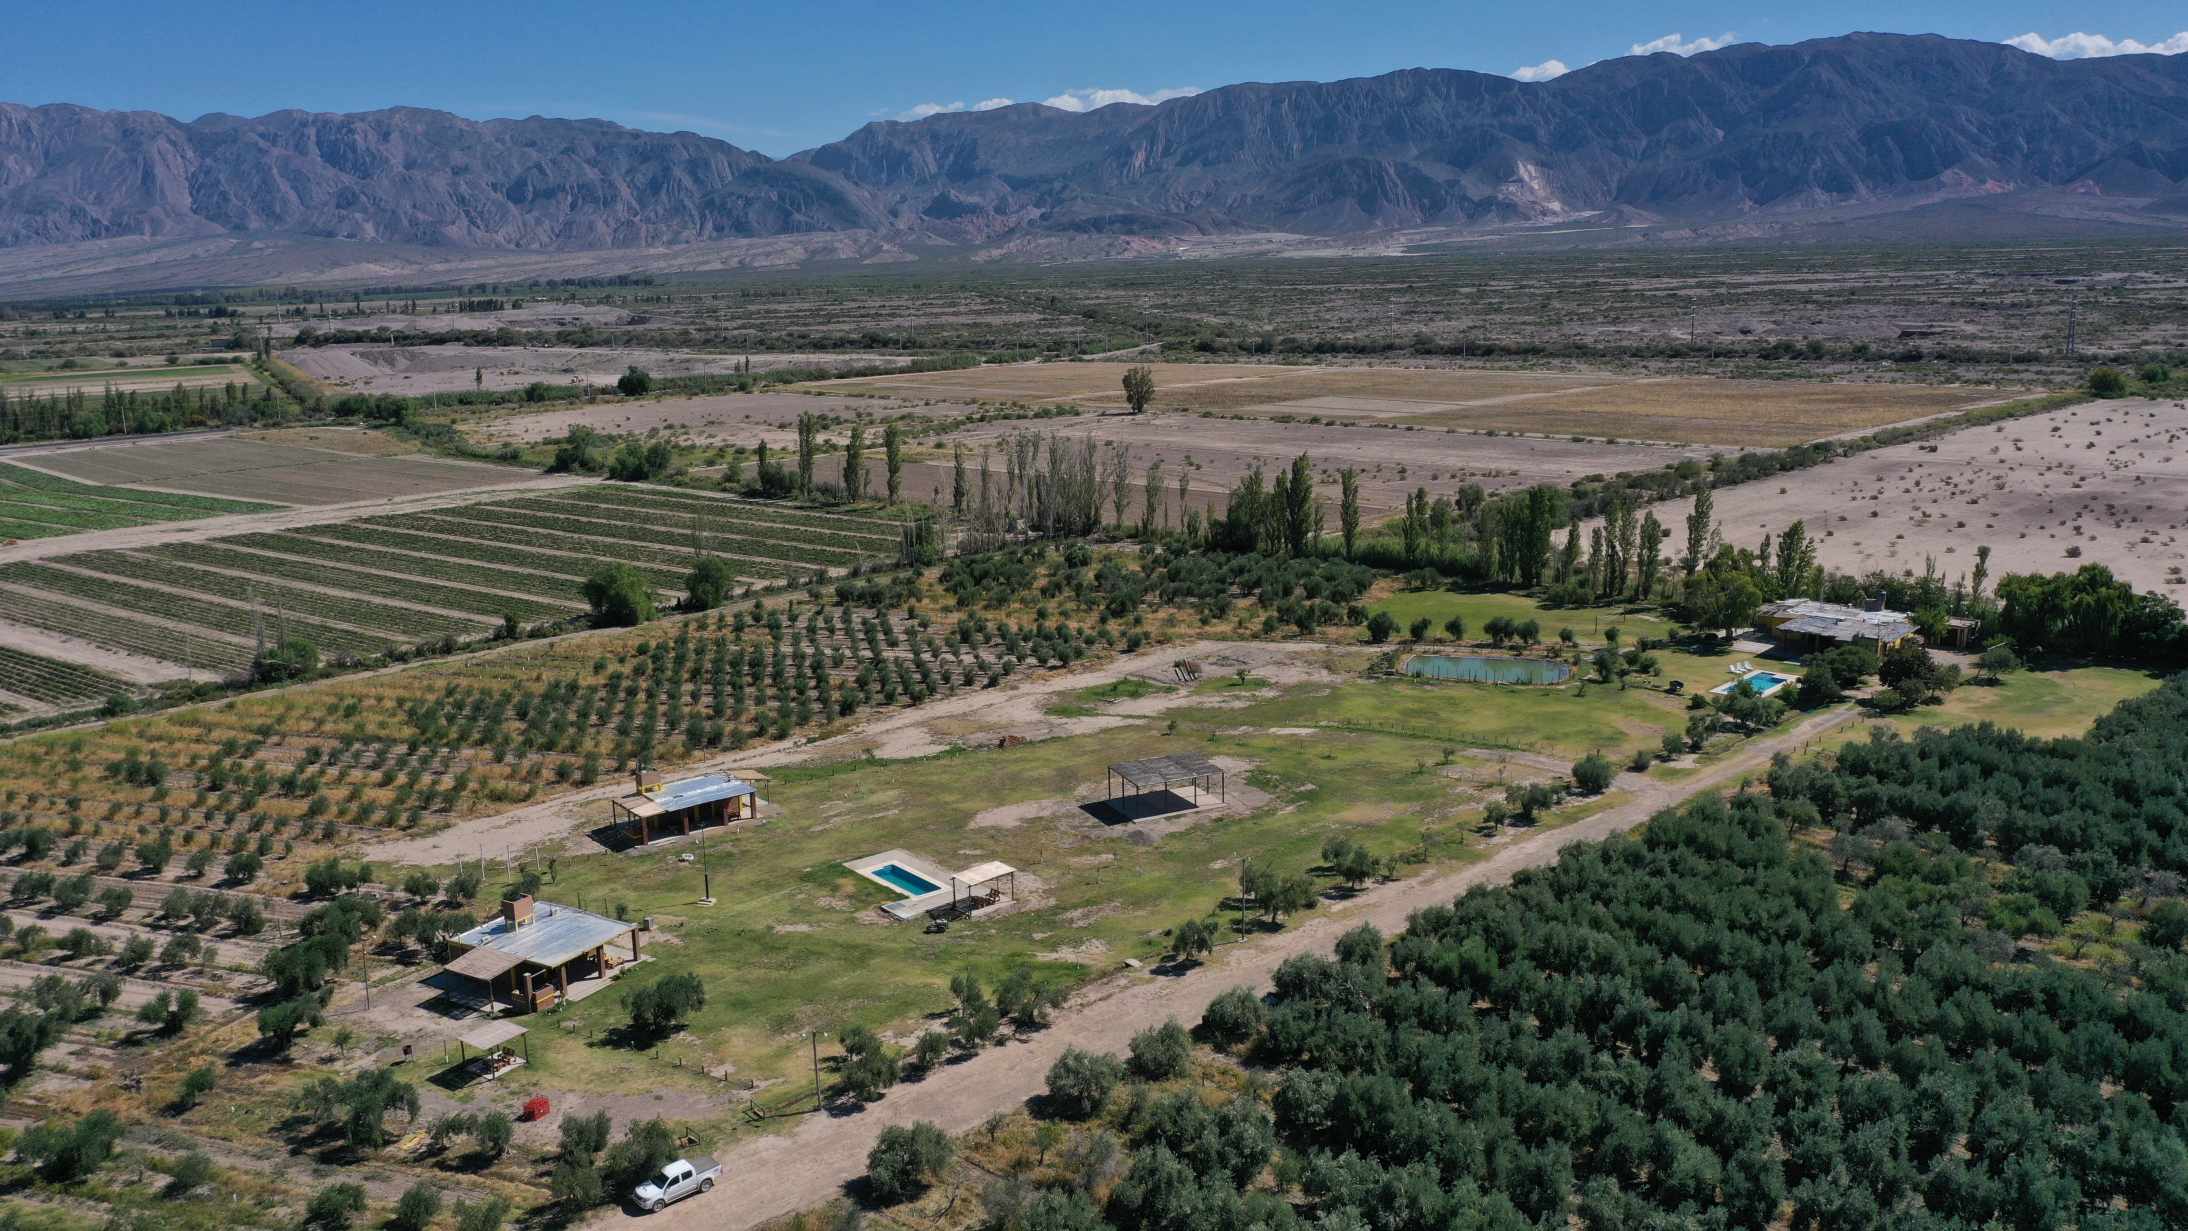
(1819, 687)
(584, 1136)
(1024, 1001)
(1153, 516)
(808, 447)
(646, 1147)
(1192, 939)
(892, 454)
(170, 1012)
(1592, 774)
(930, 1049)
(579, 452)
(66, 1151)
(1348, 860)
(491, 1132)
(359, 1106)
(196, 1084)
(1080, 1083)
(1997, 661)
(636, 462)
(1795, 553)
(1348, 509)
(869, 1066)
(635, 382)
(709, 585)
(1139, 387)
(905, 1160)
(1418, 630)
(1160, 1053)
(1698, 531)
(335, 1207)
(1234, 1018)
(619, 597)
(1302, 515)
(1380, 626)
(2166, 926)
(976, 1018)
(24, 1034)
(960, 489)
(2090, 613)
(1909, 668)
(854, 464)
(1651, 561)
(292, 658)
(416, 1208)
(659, 1008)
(1721, 597)
(242, 867)
(1455, 628)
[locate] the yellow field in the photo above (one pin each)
(1697, 410)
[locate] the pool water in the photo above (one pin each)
(904, 880)
(1485, 669)
(1763, 682)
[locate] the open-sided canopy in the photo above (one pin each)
(556, 934)
(685, 793)
(982, 873)
(491, 1035)
(1155, 773)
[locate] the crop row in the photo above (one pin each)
(156, 641)
(269, 622)
(672, 563)
(786, 550)
(710, 525)
(13, 529)
(347, 545)
(718, 508)
(217, 554)
(381, 533)
(180, 506)
(65, 517)
(50, 679)
(403, 622)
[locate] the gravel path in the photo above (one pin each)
(771, 1177)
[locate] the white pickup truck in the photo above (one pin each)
(676, 1181)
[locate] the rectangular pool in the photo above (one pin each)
(904, 880)
(1763, 682)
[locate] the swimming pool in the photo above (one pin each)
(903, 880)
(1764, 683)
(1485, 669)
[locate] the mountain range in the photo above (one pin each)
(1743, 136)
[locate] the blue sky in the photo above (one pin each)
(780, 77)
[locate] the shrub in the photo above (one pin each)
(334, 1207)
(416, 1208)
(486, 1215)
(1234, 1017)
(195, 1086)
(2106, 382)
(1161, 1052)
(635, 382)
(2167, 926)
(64, 1152)
(709, 584)
(192, 1170)
(1593, 774)
(1380, 626)
(1080, 1082)
(492, 1131)
(905, 1161)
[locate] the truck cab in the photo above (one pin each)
(676, 1181)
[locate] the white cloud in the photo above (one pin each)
(1679, 45)
(990, 104)
(2080, 46)
(922, 110)
(1089, 99)
(1546, 71)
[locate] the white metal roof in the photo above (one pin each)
(556, 934)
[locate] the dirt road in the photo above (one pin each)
(770, 1177)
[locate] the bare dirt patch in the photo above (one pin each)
(729, 418)
(2099, 482)
(379, 368)
(261, 470)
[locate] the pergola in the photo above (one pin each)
(1165, 773)
(709, 799)
(490, 1038)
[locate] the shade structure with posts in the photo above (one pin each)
(659, 810)
(1166, 773)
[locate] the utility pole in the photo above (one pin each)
(814, 1035)
(2071, 306)
(706, 875)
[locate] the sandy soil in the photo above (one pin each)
(127, 666)
(730, 418)
(373, 368)
(95, 383)
(770, 1177)
(244, 469)
(531, 316)
(2109, 478)
(1391, 461)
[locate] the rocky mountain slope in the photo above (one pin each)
(1880, 121)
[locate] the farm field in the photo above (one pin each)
(360, 589)
(2102, 482)
(137, 379)
(414, 370)
(35, 504)
(715, 419)
(1691, 410)
(260, 470)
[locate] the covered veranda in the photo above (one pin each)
(1166, 773)
(536, 955)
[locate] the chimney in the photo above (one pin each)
(1877, 603)
(517, 911)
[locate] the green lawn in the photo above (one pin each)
(795, 942)
(1587, 623)
(2042, 703)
